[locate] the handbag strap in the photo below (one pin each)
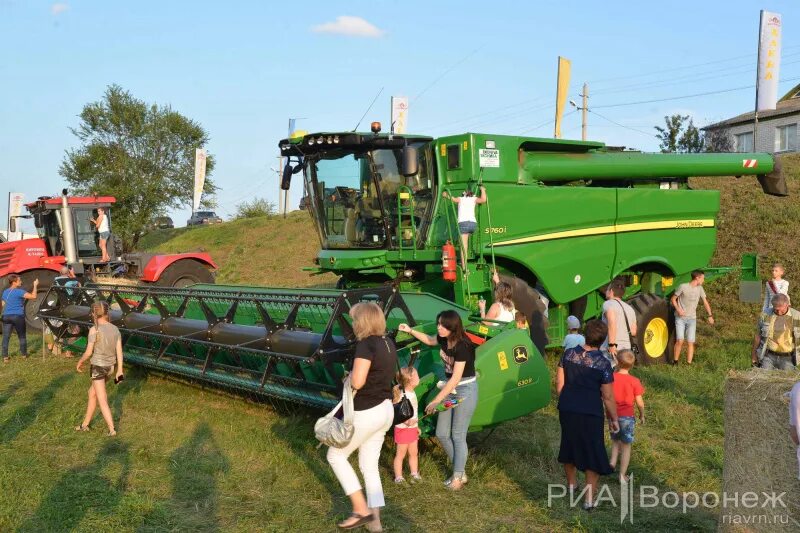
(627, 326)
(347, 401)
(397, 362)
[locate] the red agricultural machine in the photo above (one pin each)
(67, 237)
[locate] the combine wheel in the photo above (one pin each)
(655, 333)
(45, 278)
(529, 301)
(184, 273)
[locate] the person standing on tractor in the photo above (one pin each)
(467, 223)
(104, 230)
(685, 301)
(14, 313)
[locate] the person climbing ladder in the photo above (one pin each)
(467, 223)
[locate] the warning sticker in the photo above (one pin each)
(501, 359)
(489, 158)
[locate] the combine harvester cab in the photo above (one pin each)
(292, 347)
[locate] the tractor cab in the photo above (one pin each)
(366, 191)
(64, 224)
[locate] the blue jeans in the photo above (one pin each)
(452, 425)
(16, 323)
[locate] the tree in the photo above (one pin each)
(678, 135)
(143, 154)
(718, 140)
(258, 207)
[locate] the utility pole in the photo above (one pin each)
(279, 172)
(584, 110)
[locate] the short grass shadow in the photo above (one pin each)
(83, 489)
(26, 414)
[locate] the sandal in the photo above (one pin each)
(81, 428)
(6, 359)
(361, 520)
(112, 433)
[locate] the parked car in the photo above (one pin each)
(203, 217)
(162, 223)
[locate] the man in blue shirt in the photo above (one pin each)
(14, 313)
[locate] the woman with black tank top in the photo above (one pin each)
(374, 365)
(458, 357)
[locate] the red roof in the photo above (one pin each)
(77, 200)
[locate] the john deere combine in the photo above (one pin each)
(562, 220)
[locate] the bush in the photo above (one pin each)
(258, 207)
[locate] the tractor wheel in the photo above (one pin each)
(45, 278)
(529, 301)
(655, 331)
(184, 273)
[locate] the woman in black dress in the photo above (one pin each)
(584, 385)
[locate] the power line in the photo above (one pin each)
(445, 73)
(684, 67)
(743, 87)
(622, 125)
(489, 112)
(709, 75)
(546, 123)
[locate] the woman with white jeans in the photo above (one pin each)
(374, 365)
(458, 357)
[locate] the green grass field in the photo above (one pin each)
(193, 459)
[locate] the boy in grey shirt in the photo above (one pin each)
(685, 301)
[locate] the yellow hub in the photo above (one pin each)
(656, 336)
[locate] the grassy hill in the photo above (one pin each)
(191, 459)
(269, 251)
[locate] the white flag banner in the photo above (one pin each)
(15, 202)
(199, 177)
(399, 114)
(769, 60)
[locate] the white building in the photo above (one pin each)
(777, 129)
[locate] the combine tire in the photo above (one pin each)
(655, 329)
(529, 301)
(184, 273)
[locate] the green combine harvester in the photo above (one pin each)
(563, 218)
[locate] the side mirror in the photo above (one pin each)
(409, 162)
(12, 225)
(286, 178)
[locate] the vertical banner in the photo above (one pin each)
(15, 202)
(562, 88)
(769, 60)
(199, 177)
(399, 114)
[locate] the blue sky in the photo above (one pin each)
(243, 68)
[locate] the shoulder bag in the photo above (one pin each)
(403, 410)
(634, 346)
(333, 432)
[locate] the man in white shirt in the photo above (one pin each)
(620, 318)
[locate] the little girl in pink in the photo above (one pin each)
(406, 434)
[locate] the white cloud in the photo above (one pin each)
(58, 8)
(351, 26)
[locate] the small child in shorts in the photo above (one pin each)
(627, 391)
(406, 434)
(573, 338)
(521, 320)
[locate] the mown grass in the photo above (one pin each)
(188, 459)
(191, 459)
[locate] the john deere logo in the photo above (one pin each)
(520, 354)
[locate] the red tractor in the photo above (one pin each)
(67, 237)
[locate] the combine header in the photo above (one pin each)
(280, 345)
